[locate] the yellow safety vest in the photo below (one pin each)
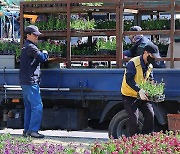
(125, 88)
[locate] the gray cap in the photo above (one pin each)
(153, 49)
(32, 29)
(135, 28)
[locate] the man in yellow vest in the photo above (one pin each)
(134, 98)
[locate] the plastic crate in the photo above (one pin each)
(174, 121)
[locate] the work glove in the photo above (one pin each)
(143, 95)
(44, 51)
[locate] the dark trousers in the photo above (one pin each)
(132, 107)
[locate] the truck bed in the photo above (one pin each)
(86, 83)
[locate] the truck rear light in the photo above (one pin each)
(85, 64)
(15, 100)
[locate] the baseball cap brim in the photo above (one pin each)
(156, 55)
(37, 33)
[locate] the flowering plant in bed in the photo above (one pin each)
(160, 143)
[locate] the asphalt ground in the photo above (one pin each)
(86, 136)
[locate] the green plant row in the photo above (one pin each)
(54, 23)
(59, 49)
(53, 48)
(10, 48)
(83, 24)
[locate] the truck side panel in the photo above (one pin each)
(101, 80)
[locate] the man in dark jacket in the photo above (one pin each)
(139, 42)
(29, 76)
(134, 99)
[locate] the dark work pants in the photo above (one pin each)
(132, 107)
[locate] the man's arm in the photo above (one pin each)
(34, 52)
(127, 53)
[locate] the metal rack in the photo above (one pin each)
(116, 6)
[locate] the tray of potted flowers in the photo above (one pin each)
(154, 90)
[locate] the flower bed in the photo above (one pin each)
(155, 143)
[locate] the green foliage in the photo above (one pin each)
(154, 90)
(126, 46)
(158, 24)
(53, 48)
(105, 24)
(55, 23)
(163, 47)
(85, 49)
(82, 24)
(10, 48)
(109, 44)
(128, 24)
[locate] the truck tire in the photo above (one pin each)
(119, 125)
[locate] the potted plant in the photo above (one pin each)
(154, 90)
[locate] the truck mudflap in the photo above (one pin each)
(160, 113)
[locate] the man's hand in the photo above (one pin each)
(143, 95)
(44, 51)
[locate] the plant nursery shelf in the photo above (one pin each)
(93, 58)
(56, 8)
(57, 59)
(83, 58)
(149, 32)
(102, 32)
(177, 32)
(95, 32)
(53, 33)
(45, 10)
(97, 58)
(68, 7)
(85, 9)
(150, 7)
(74, 33)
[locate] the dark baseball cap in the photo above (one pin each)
(135, 28)
(32, 29)
(153, 49)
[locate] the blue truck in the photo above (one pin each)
(75, 99)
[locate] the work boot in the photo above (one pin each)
(34, 134)
(24, 133)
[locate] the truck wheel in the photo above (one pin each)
(119, 125)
